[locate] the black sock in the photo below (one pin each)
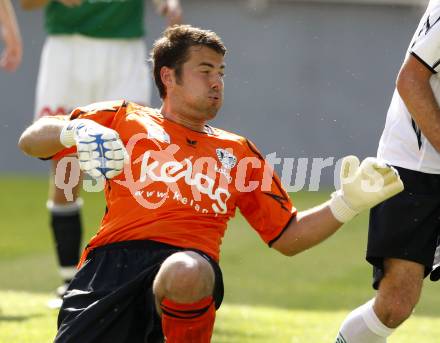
(67, 232)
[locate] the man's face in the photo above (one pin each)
(199, 89)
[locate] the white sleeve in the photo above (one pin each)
(426, 43)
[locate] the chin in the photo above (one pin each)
(211, 113)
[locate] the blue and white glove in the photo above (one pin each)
(100, 151)
(363, 186)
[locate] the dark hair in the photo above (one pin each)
(171, 50)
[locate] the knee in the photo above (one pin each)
(399, 291)
(394, 310)
(184, 277)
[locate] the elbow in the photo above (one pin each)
(24, 144)
(286, 250)
(288, 253)
(404, 83)
(411, 80)
(27, 143)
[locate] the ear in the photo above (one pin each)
(167, 77)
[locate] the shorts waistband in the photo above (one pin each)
(135, 244)
(419, 182)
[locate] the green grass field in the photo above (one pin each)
(269, 298)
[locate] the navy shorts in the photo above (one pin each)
(407, 225)
(111, 297)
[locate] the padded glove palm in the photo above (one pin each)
(363, 186)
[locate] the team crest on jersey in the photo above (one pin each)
(158, 133)
(226, 158)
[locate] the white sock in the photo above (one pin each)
(65, 209)
(363, 326)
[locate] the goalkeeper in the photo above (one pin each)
(173, 182)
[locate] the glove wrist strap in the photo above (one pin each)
(340, 209)
(67, 135)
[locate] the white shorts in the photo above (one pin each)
(76, 70)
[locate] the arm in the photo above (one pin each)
(307, 229)
(171, 9)
(42, 139)
(416, 92)
(99, 149)
(362, 187)
(10, 58)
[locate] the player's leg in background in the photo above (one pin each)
(59, 90)
(184, 289)
(398, 293)
(65, 220)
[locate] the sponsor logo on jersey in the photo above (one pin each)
(157, 133)
(172, 171)
(162, 166)
(227, 159)
(191, 143)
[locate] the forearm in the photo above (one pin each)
(308, 229)
(426, 113)
(42, 139)
(363, 186)
(8, 19)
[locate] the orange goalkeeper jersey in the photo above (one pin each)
(182, 186)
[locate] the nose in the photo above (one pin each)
(217, 83)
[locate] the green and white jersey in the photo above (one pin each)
(97, 18)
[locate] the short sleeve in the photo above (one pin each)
(267, 207)
(426, 43)
(103, 113)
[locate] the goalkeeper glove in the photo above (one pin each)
(363, 186)
(100, 151)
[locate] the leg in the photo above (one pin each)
(398, 293)
(183, 290)
(66, 226)
(402, 229)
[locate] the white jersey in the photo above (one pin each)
(402, 143)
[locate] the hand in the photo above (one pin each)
(171, 9)
(11, 56)
(100, 151)
(363, 186)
